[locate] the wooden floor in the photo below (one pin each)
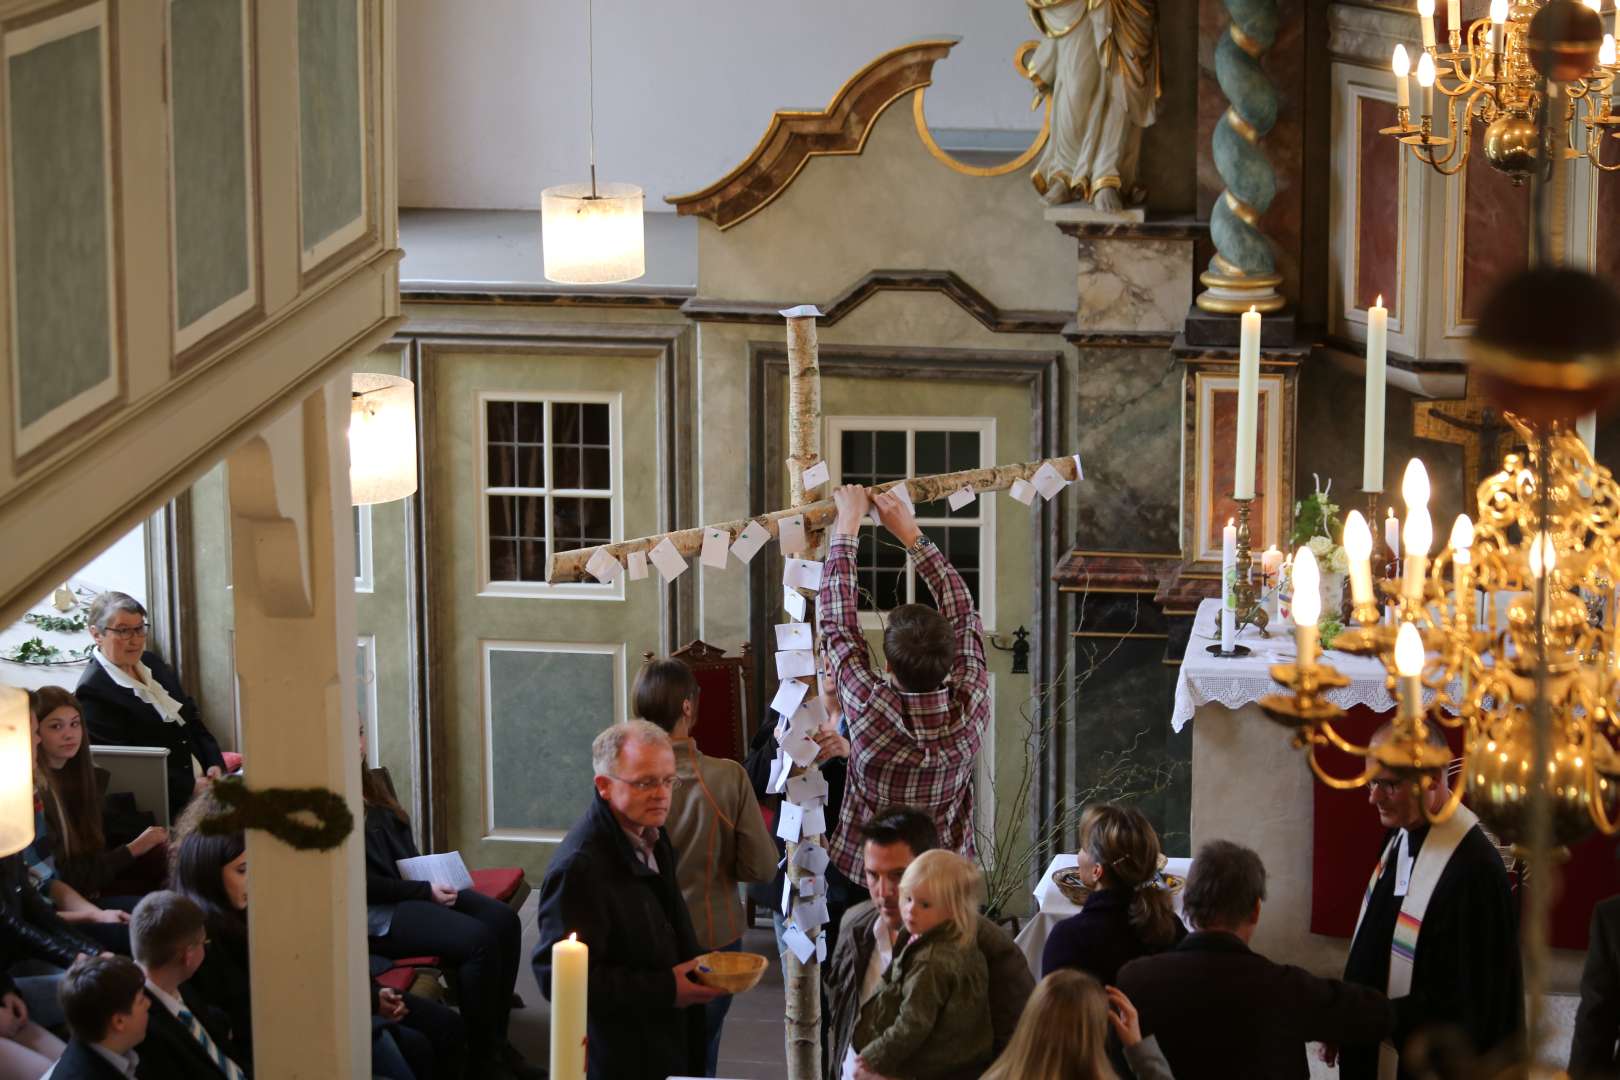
(750, 1049)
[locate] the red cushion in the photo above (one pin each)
(402, 976)
(233, 760)
(498, 883)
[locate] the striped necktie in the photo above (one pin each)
(231, 1069)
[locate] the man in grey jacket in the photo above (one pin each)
(872, 934)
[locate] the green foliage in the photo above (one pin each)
(1328, 627)
(57, 624)
(35, 651)
(1315, 515)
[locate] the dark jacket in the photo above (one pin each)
(1220, 1010)
(1597, 1021)
(930, 1016)
(79, 1062)
(1100, 939)
(90, 872)
(30, 929)
(1010, 983)
(223, 982)
(388, 840)
(116, 717)
(637, 927)
(170, 1052)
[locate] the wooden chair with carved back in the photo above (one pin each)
(725, 685)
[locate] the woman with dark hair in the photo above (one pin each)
(72, 790)
(477, 937)
(211, 870)
(131, 698)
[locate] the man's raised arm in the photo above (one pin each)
(838, 604)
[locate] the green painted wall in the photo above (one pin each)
(329, 116)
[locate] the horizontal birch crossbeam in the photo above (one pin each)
(569, 566)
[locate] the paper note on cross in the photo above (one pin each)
(668, 560)
(753, 537)
(637, 565)
(795, 662)
(789, 693)
(961, 497)
(604, 567)
(1023, 491)
(802, 574)
(716, 548)
(793, 635)
(791, 536)
(815, 476)
(793, 603)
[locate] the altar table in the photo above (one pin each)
(1052, 907)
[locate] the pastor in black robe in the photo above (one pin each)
(1466, 972)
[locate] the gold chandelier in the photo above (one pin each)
(1536, 73)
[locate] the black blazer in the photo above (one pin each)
(223, 982)
(637, 927)
(116, 717)
(1100, 939)
(79, 1062)
(169, 1052)
(1597, 1021)
(1220, 1010)
(388, 840)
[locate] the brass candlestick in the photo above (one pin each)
(1248, 601)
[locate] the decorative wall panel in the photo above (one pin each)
(1378, 189)
(543, 704)
(61, 222)
(332, 188)
(211, 166)
(1495, 239)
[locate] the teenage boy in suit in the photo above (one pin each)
(104, 999)
(168, 935)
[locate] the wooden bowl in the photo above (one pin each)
(733, 972)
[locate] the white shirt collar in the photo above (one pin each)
(124, 1063)
(145, 687)
(173, 1004)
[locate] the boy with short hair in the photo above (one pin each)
(169, 936)
(913, 737)
(104, 999)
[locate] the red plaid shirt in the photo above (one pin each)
(911, 749)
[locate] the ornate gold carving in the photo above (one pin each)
(944, 158)
(794, 136)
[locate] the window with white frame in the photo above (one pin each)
(876, 450)
(362, 549)
(550, 478)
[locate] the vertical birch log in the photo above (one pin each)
(802, 982)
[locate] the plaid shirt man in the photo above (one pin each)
(911, 749)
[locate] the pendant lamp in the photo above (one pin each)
(16, 771)
(382, 438)
(591, 234)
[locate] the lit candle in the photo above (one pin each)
(1462, 567)
(1358, 549)
(1586, 427)
(1419, 531)
(1499, 14)
(1426, 13)
(1543, 555)
(1606, 55)
(1372, 441)
(1402, 66)
(1270, 565)
(1248, 404)
(1425, 78)
(570, 966)
(1454, 21)
(1409, 666)
(1392, 534)
(1228, 596)
(1307, 605)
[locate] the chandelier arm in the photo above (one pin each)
(1335, 782)
(1330, 735)
(1595, 804)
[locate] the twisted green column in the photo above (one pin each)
(1243, 272)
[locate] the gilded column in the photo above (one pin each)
(1243, 272)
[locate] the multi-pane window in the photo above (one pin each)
(548, 482)
(869, 455)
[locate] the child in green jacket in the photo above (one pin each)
(930, 1016)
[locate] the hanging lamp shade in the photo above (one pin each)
(382, 439)
(592, 238)
(16, 771)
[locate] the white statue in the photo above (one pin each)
(1100, 59)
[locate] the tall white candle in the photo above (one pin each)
(1586, 426)
(1372, 441)
(1228, 597)
(570, 967)
(1248, 404)
(1392, 534)
(1402, 66)
(1426, 14)
(1270, 567)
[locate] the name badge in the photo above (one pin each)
(1403, 868)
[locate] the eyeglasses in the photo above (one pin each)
(1388, 786)
(126, 632)
(647, 785)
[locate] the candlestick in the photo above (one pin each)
(1372, 444)
(1426, 14)
(1401, 64)
(1307, 605)
(1248, 404)
(570, 967)
(1228, 580)
(1454, 15)
(1358, 549)
(1425, 78)
(1415, 541)
(1499, 14)
(1409, 666)
(1462, 569)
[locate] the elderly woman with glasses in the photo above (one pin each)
(130, 697)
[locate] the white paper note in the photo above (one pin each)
(603, 567)
(801, 946)
(788, 696)
(1048, 481)
(793, 635)
(802, 574)
(445, 868)
(821, 950)
(793, 603)
(787, 897)
(903, 493)
(638, 565)
(811, 858)
(1023, 491)
(716, 547)
(795, 662)
(961, 497)
(803, 311)
(790, 534)
(801, 748)
(807, 888)
(750, 540)
(668, 560)
(815, 821)
(815, 476)
(1079, 470)
(788, 819)
(780, 771)
(810, 716)
(808, 789)
(810, 914)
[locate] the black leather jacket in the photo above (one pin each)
(30, 929)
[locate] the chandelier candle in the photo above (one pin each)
(1425, 78)
(1409, 666)
(1454, 16)
(1499, 14)
(1358, 547)
(1418, 534)
(1307, 606)
(1462, 569)
(1426, 13)
(1402, 66)
(1372, 444)
(1248, 404)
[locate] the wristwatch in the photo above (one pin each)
(918, 545)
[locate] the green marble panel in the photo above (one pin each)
(329, 121)
(209, 147)
(545, 708)
(59, 184)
